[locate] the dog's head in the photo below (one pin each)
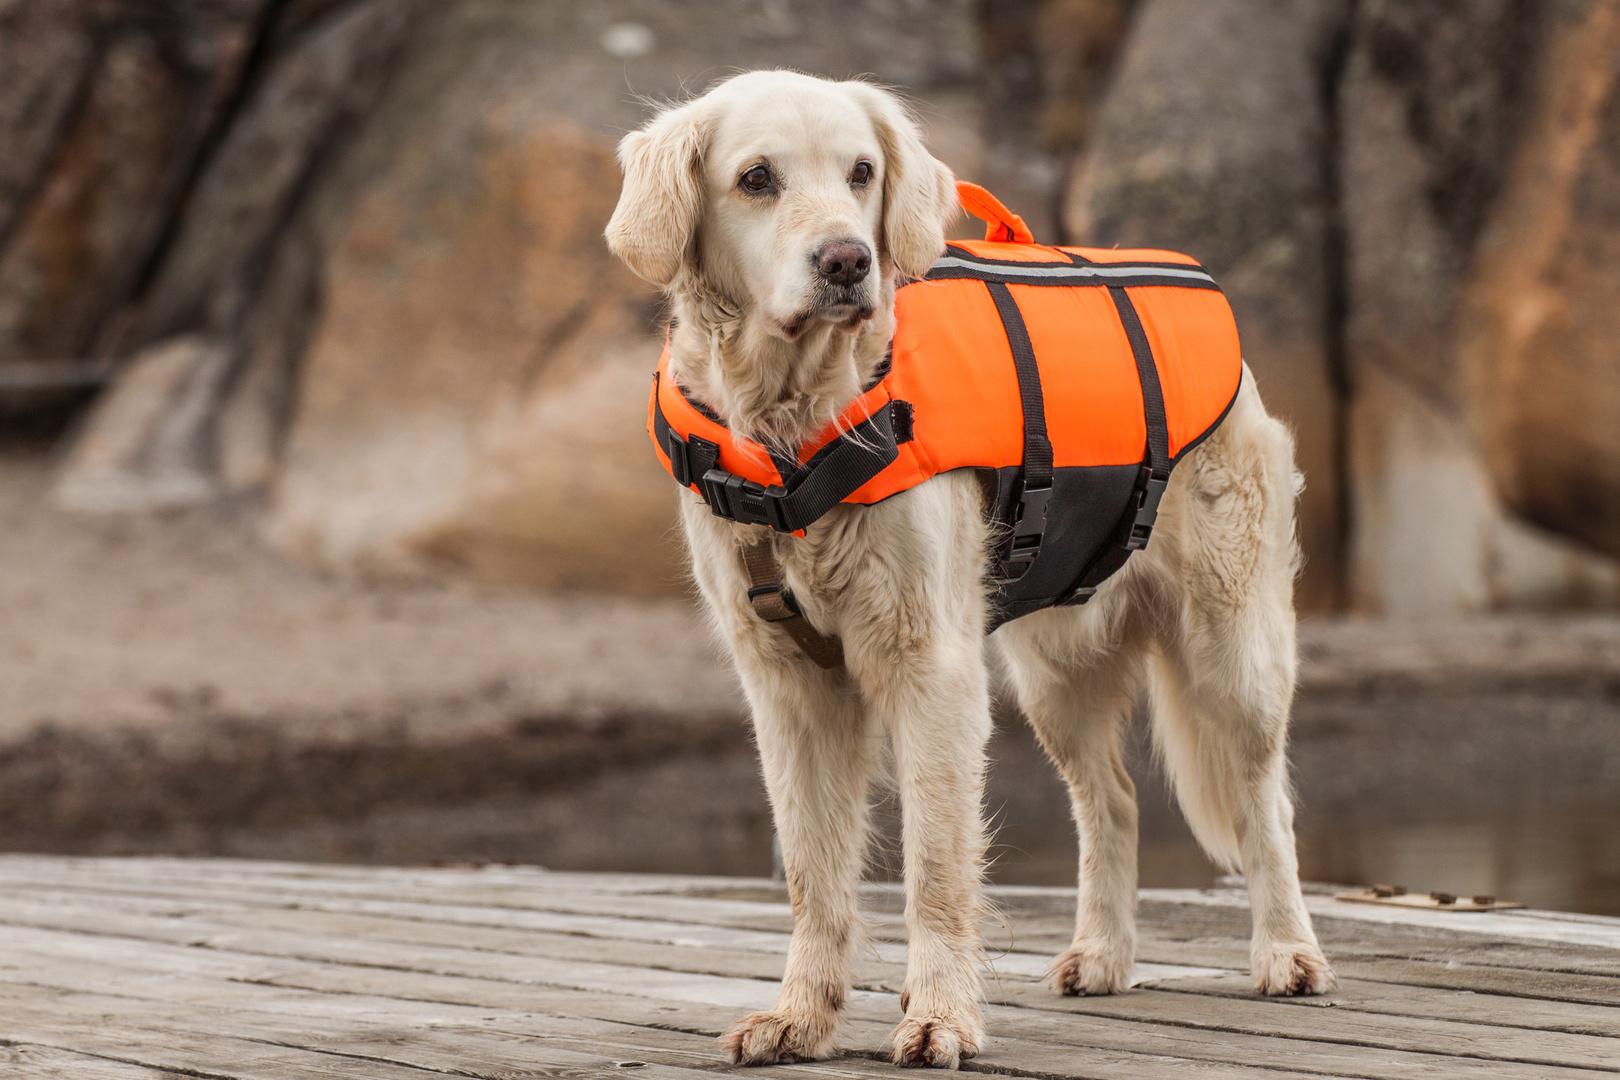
(794, 198)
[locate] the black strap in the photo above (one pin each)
(1037, 447)
(1158, 429)
(1028, 522)
(840, 468)
(834, 473)
(1141, 513)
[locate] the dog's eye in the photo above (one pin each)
(861, 175)
(756, 181)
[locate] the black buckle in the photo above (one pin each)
(1080, 594)
(744, 501)
(1028, 531)
(778, 590)
(1150, 489)
(678, 465)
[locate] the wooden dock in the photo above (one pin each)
(139, 968)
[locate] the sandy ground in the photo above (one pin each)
(143, 621)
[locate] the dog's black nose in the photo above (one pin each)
(843, 262)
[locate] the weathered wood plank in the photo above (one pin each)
(518, 886)
(440, 919)
(606, 935)
(1394, 999)
(1545, 927)
(665, 957)
(1204, 954)
(564, 965)
(1254, 1016)
(475, 1045)
(208, 1054)
(1324, 1041)
(1432, 1033)
(218, 925)
(1028, 1041)
(502, 971)
(313, 1012)
(1481, 979)
(21, 1061)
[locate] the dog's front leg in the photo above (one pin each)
(935, 699)
(818, 758)
(818, 754)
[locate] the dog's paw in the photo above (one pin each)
(1089, 969)
(1289, 968)
(940, 1041)
(777, 1038)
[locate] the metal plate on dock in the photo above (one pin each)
(1434, 901)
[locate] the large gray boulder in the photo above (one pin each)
(1214, 140)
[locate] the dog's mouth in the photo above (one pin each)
(846, 315)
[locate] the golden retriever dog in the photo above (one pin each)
(736, 204)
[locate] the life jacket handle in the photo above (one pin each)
(1001, 224)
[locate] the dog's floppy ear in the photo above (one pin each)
(919, 192)
(658, 209)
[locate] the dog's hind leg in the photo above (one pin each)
(1224, 745)
(1077, 701)
(818, 757)
(1225, 678)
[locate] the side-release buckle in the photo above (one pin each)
(689, 458)
(773, 603)
(1028, 531)
(1150, 489)
(744, 501)
(679, 467)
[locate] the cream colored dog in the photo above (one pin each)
(760, 207)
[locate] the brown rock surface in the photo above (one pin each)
(385, 214)
(1537, 337)
(473, 393)
(321, 74)
(1444, 263)
(475, 387)
(44, 56)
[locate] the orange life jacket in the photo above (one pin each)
(1073, 379)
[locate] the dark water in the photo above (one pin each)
(1512, 793)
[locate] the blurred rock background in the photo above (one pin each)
(303, 304)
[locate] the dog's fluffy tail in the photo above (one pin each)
(1200, 770)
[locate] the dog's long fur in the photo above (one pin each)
(1204, 617)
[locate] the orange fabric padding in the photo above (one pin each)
(748, 459)
(954, 366)
(1187, 327)
(965, 410)
(1093, 395)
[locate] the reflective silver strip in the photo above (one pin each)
(1064, 271)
